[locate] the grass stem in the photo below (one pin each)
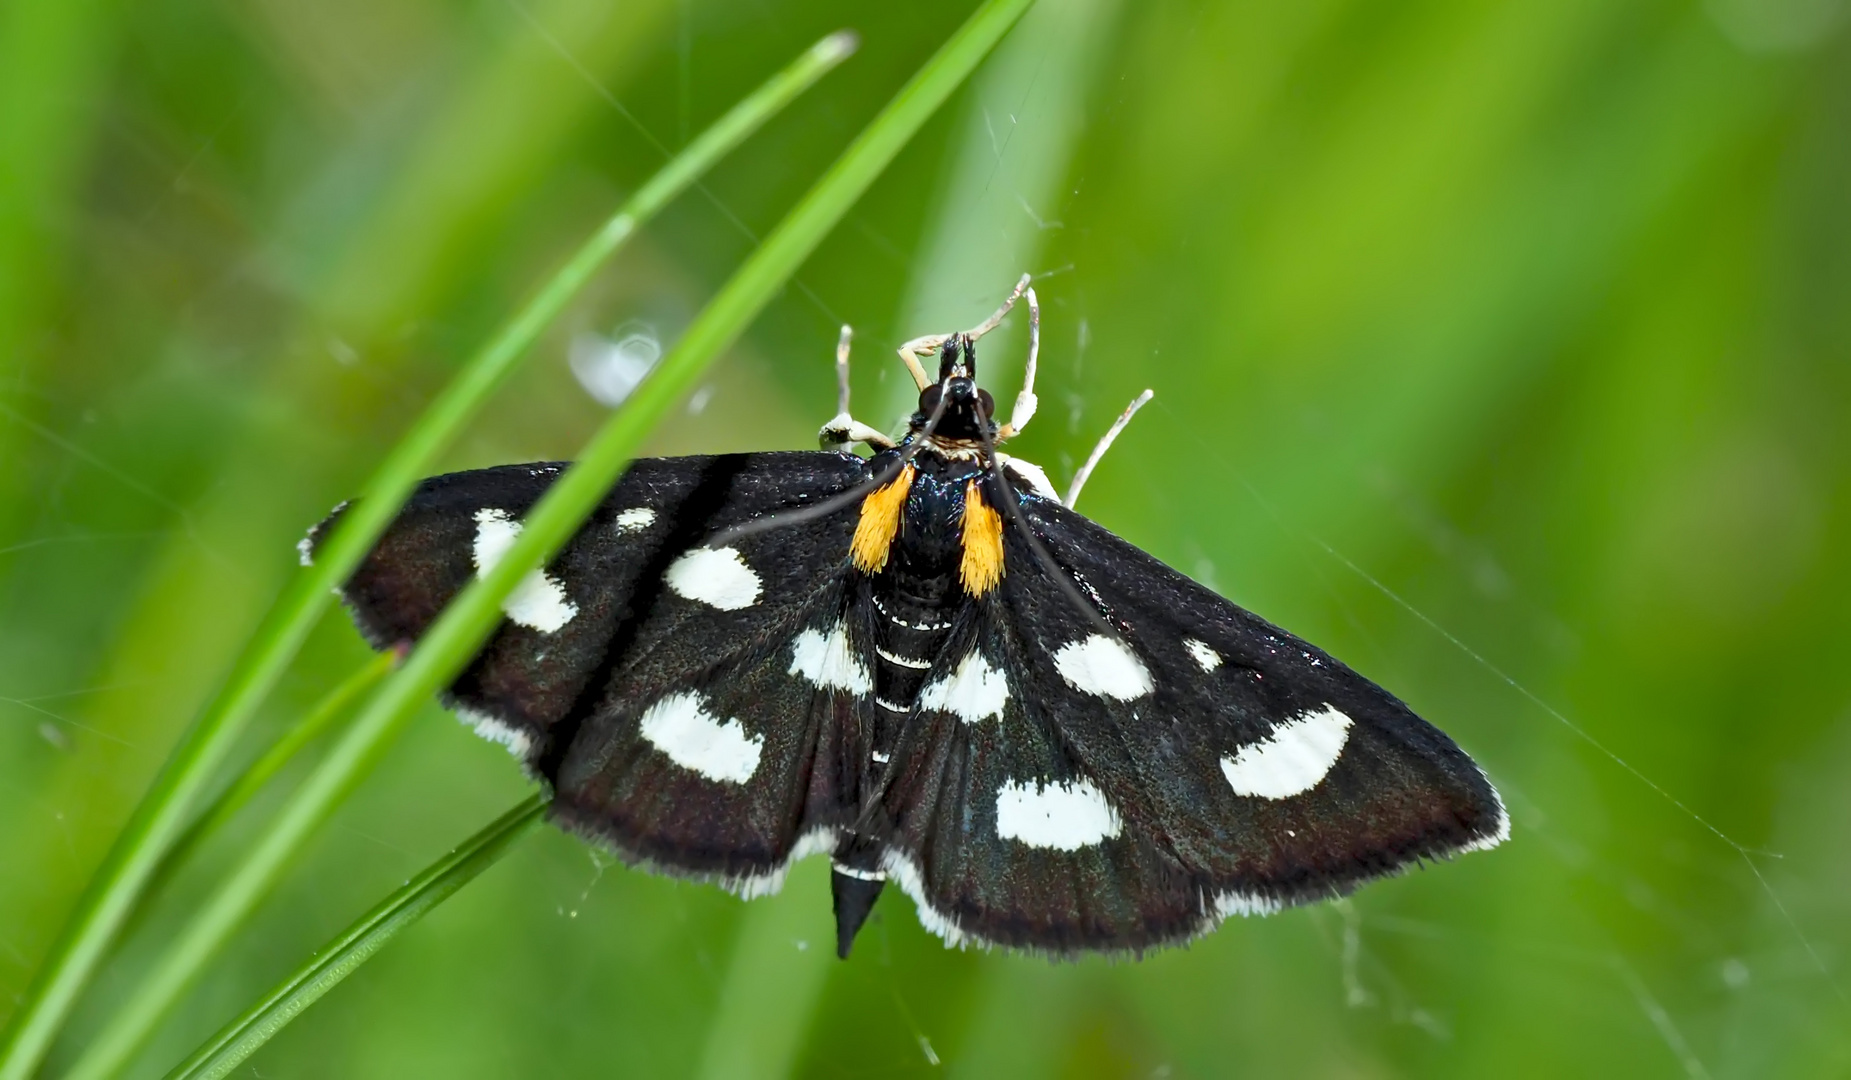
(327, 713)
(339, 958)
(120, 880)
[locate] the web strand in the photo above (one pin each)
(578, 68)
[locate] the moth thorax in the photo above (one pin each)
(982, 565)
(880, 523)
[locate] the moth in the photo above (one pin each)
(925, 664)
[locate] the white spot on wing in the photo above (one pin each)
(1104, 667)
(1206, 658)
(636, 519)
(496, 532)
(718, 577)
(539, 601)
(1293, 759)
(825, 660)
(680, 726)
(1066, 815)
(974, 692)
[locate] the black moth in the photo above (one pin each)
(927, 666)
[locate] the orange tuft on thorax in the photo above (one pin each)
(982, 566)
(880, 523)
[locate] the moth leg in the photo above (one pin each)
(912, 350)
(921, 346)
(1026, 402)
(994, 320)
(1105, 443)
(844, 430)
(842, 343)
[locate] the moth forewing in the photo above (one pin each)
(924, 665)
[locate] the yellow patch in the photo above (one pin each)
(880, 523)
(982, 566)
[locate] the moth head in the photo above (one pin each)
(967, 408)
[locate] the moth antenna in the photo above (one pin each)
(1025, 401)
(838, 501)
(1104, 444)
(1013, 511)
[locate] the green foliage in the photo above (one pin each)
(110, 897)
(224, 1052)
(1506, 331)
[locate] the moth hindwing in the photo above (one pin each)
(925, 665)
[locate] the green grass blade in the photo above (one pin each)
(329, 711)
(123, 875)
(339, 958)
(466, 623)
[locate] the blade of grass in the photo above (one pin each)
(122, 877)
(466, 623)
(329, 711)
(336, 960)
(336, 705)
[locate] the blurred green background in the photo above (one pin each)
(1502, 348)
